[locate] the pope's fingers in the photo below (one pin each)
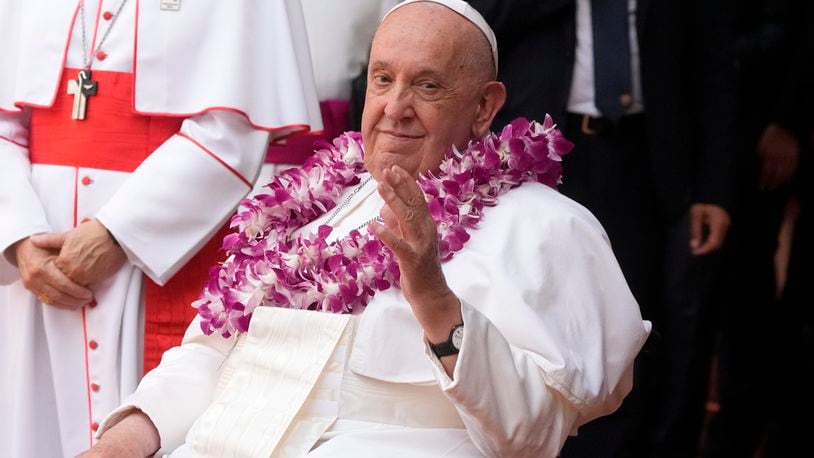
(405, 187)
(409, 209)
(396, 244)
(404, 217)
(388, 217)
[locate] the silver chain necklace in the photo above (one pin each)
(83, 86)
(345, 203)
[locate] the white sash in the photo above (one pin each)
(281, 387)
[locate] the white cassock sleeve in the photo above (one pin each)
(179, 390)
(21, 212)
(502, 396)
(551, 330)
(182, 193)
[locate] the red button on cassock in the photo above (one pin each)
(92, 303)
(101, 55)
(94, 426)
(107, 15)
(93, 345)
(86, 180)
(85, 220)
(94, 387)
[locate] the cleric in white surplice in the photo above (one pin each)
(527, 333)
(158, 145)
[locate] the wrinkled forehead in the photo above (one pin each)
(464, 11)
(423, 34)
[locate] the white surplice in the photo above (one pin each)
(551, 331)
(235, 70)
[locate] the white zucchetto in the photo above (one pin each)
(470, 14)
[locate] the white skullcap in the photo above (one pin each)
(470, 14)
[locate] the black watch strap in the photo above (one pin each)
(447, 348)
(444, 349)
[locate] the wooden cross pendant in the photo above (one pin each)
(81, 88)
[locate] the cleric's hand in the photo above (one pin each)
(409, 231)
(709, 225)
(87, 254)
(42, 277)
(779, 153)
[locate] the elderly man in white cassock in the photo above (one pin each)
(409, 300)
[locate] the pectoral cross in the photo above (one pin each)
(81, 88)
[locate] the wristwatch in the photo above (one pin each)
(453, 344)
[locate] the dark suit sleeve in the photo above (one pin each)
(795, 93)
(713, 87)
(504, 15)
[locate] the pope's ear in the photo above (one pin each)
(492, 99)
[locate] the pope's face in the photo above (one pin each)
(420, 100)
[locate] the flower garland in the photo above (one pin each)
(269, 267)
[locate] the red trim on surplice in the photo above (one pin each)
(113, 137)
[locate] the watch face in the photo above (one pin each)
(458, 337)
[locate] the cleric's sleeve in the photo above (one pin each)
(176, 392)
(250, 57)
(181, 195)
(712, 81)
(549, 341)
(21, 212)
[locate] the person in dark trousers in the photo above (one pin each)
(774, 60)
(645, 90)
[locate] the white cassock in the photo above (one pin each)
(233, 71)
(551, 332)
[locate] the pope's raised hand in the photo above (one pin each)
(409, 231)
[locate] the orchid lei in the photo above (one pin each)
(268, 267)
